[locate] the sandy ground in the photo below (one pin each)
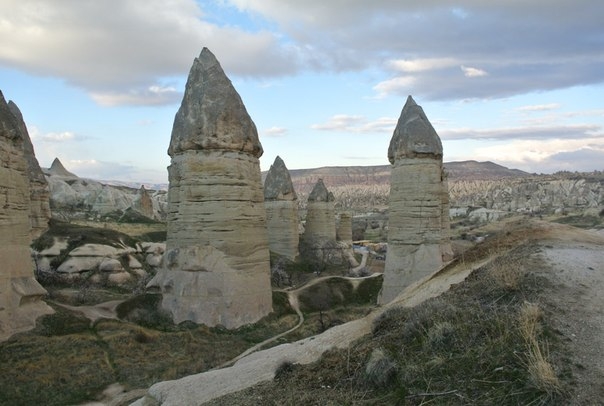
(574, 262)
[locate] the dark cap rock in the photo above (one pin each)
(278, 183)
(320, 193)
(212, 115)
(414, 136)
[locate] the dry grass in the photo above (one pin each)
(541, 371)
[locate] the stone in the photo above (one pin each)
(320, 213)
(20, 294)
(216, 268)
(143, 203)
(39, 193)
(418, 238)
(281, 203)
(344, 228)
(110, 265)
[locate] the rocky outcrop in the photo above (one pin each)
(417, 240)
(281, 204)
(344, 227)
(39, 196)
(216, 267)
(72, 197)
(320, 214)
(20, 293)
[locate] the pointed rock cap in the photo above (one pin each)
(57, 169)
(414, 136)
(212, 115)
(278, 183)
(9, 124)
(33, 166)
(320, 193)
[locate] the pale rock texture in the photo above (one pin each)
(20, 293)
(143, 203)
(281, 204)
(344, 228)
(39, 193)
(320, 213)
(216, 266)
(418, 235)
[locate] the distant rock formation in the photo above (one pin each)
(20, 293)
(417, 240)
(72, 197)
(216, 268)
(143, 203)
(38, 186)
(320, 214)
(344, 227)
(281, 204)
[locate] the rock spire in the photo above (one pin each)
(216, 268)
(20, 293)
(418, 230)
(281, 204)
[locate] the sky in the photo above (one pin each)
(516, 82)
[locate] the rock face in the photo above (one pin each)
(281, 204)
(38, 186)
(418, 221)
(344, 228)
(216, 267)
(72, 197)
(20, 293)
(320, 214)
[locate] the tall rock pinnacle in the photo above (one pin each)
(212, 115)
(216, 268)
(20, 293)
(281, 204)
(418, 229)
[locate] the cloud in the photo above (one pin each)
(470, 72)
(109, 170)
(356, 124)
(275, 132)
(539, 107)
(151, 96)
(570, 132)
(54, 137)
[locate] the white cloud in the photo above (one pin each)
(421, 65)
(356, 124)
(570, 132)
(398, 85)
(151, 96)
(470, 72)
(539, 107)
(275, 132)
(52, 137)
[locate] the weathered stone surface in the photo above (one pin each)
(418, 242)
(344, 228)
(216, 267)
(320, 214)
(281, 204)
(143, 203)
(39, 193)
(20, 293)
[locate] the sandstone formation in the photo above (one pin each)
(344, 228)
(38, 186)
(281, 204)
(320, 214)
(418, 242)
(216, 267)
(20, 293)
(72, 197)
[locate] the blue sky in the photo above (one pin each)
(519, 83)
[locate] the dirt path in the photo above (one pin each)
(574, 262)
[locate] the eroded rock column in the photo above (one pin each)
(418, 241)
(20, 293)
(216, 267)
(281, 204)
